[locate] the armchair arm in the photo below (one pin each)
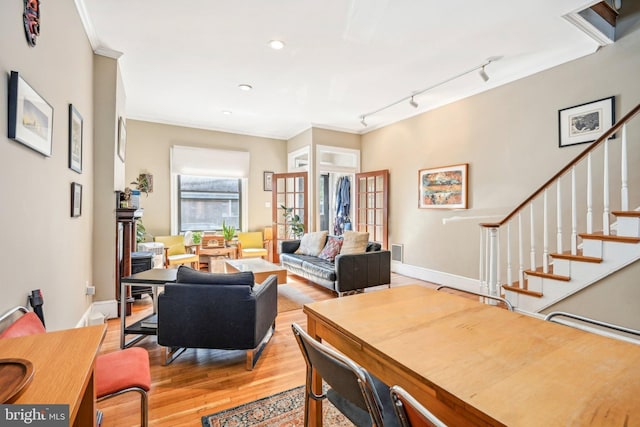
(266, 304)
(358, 271)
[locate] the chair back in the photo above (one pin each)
(410, 412)
(27, 324)
(175, 244)
(343, 375)
(251, 240)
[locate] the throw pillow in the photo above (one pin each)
(331, 249)
(312, 243)
(354, 242)
(191, 276)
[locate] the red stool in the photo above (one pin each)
(124, 371)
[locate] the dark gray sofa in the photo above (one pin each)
(217, 311)
(347, 273)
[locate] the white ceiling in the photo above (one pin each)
(182, 61)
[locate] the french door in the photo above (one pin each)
(372, 205)
(290, 191)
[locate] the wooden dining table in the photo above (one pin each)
(475, 364)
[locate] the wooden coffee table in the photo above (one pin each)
(261, 269)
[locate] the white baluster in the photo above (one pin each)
(509, 275)
(532, 252)
(605, 212)
(589, 196)
(624, 190)
(559, 217)
(493, 263)
(483, 255)
(520, 253)
(574, 209)
(545, 234)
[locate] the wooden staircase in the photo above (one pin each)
(553, 276)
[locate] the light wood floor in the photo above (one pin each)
(202, 382)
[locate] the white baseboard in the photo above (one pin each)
(97, 312)
(434, 276)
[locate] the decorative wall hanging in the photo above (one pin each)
(268, 180)
(31, 19)
(30, 116)
(586, 122)
(122, 138)
(443, 188)
(75, 139)
(76, 199)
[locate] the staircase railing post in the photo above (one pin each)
(493, 261)
(605, 212)
(624, 190)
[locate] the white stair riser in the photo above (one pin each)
(592, 247)
(629, 226)
(562, 267)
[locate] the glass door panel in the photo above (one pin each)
(371, 205)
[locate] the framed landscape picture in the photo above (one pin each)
(30, 116)
(586, 122)
(75, 139)
(443, 188)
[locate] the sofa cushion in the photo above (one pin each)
(312, 243)
(320, 268)
(189, 275)
(373, 246)
(331, 249)
(354, 242)
(292, 259)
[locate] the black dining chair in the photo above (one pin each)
(361, 397)
(410, 412)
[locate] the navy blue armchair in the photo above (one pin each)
(217, 311)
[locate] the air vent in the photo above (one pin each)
(396, 252)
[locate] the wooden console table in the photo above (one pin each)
(63, 363)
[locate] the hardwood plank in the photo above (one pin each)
(201, 382)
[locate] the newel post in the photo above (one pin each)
(490, 279)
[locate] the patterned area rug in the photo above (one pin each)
(290, 298)
(284, 409)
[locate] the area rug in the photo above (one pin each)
(284, 409)
(290, 298)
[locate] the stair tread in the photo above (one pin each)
(610, 237)
(517, 289)
(549, 275)
(577, 257)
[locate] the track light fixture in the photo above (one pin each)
(480, 68)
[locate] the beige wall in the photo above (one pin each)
(43, 247)
(508, 136)
(148, 147)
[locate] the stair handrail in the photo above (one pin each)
(612, 130)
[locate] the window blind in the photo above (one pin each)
(209, 162)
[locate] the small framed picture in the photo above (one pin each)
(76, 199)
(122, 137)
(75, 139)
(586, 122)
(268, 180)
(443, 188)
(30, 116)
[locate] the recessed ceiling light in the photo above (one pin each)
(226, 112)
(245, 87)
(276, 44)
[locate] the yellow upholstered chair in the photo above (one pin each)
(250, 244)
(176, 252)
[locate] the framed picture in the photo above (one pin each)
(443, 188)
(30, 116)
(76, 199)
(75, 139)
(586, 122)
(268, 180)
(122, 138)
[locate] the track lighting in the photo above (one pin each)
(480, 68)
(483, 74)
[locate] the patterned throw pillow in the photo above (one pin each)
(331, 249)
(354, 242)
(312, 243)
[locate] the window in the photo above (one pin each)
(204, 202)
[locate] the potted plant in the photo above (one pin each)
(144, 183)
(196, 237)
(228, 231)
(293, 220)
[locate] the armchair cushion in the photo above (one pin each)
(189, 275)
(175, 244)
(251, 239)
